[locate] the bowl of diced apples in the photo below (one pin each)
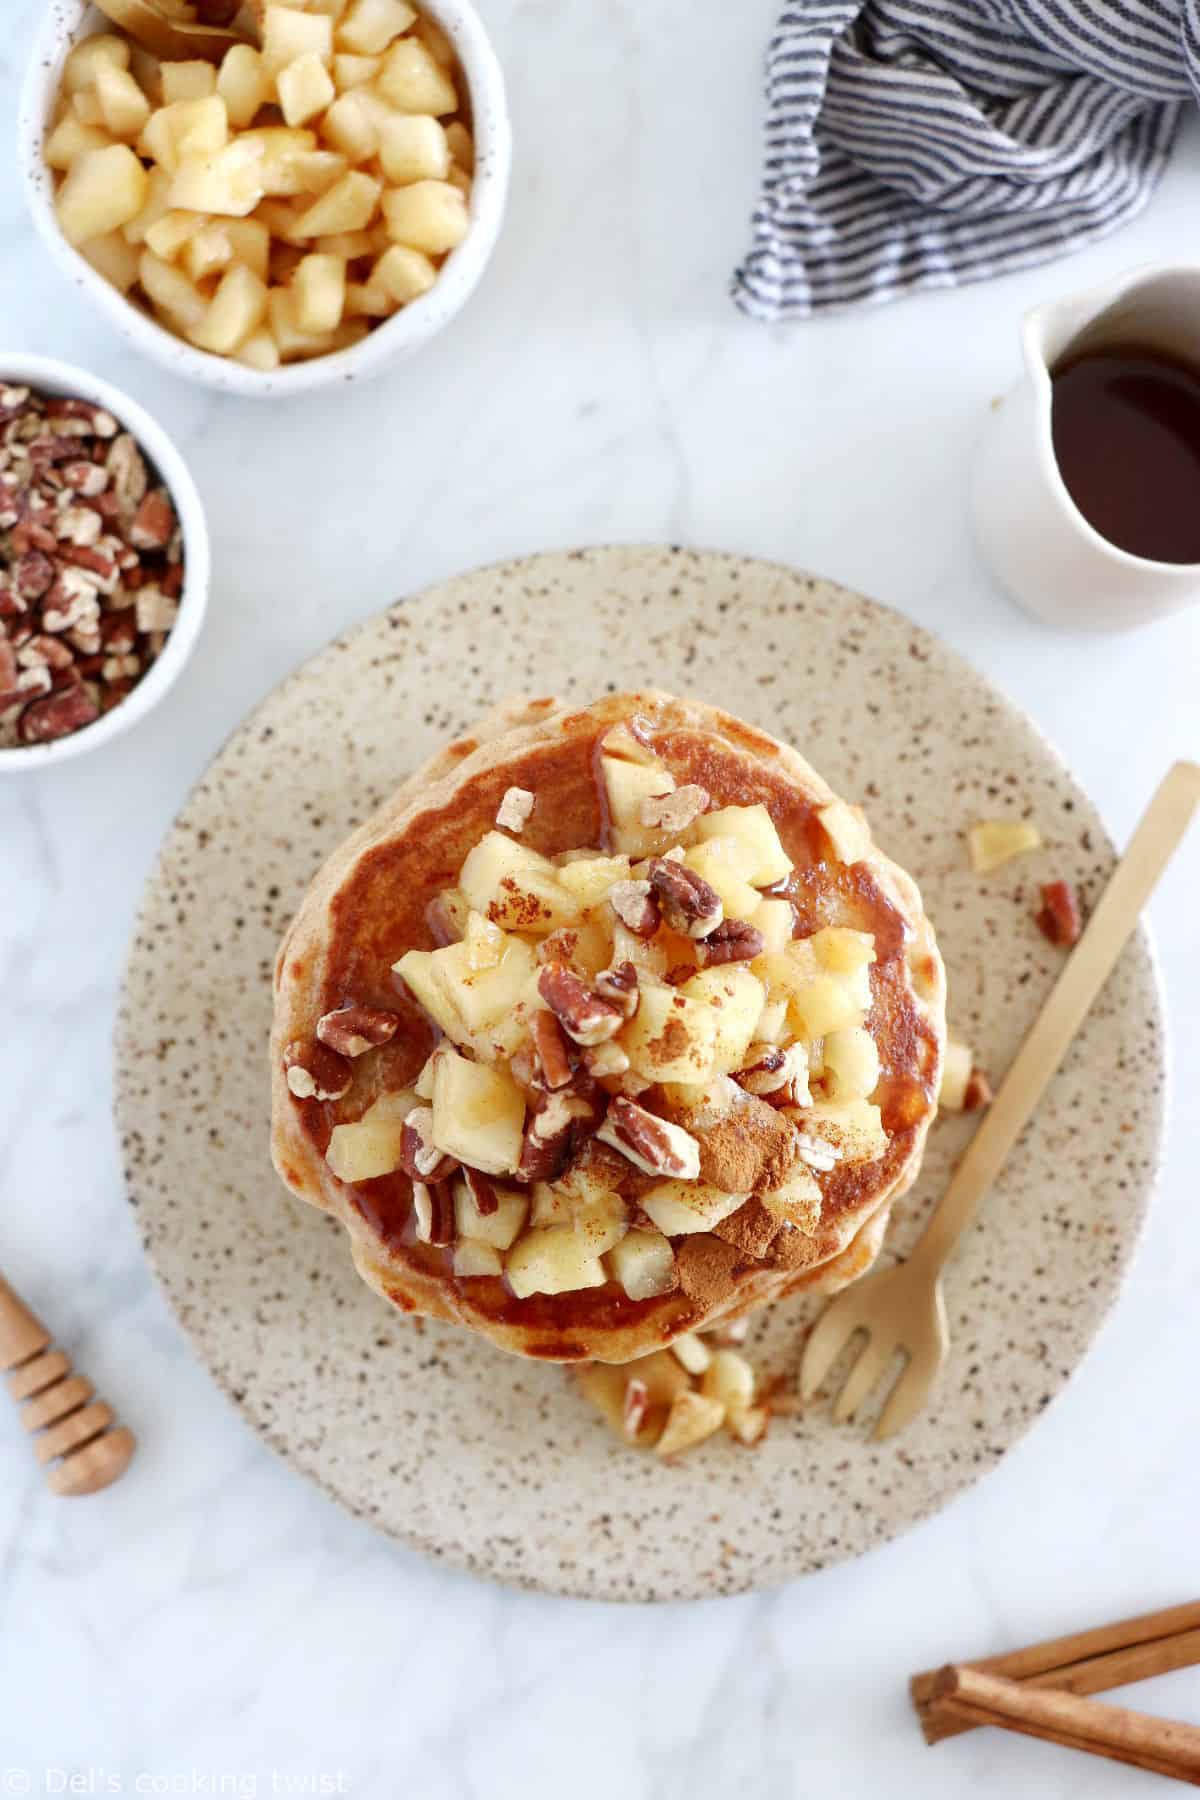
(324, 199)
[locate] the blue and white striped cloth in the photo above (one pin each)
(928, 143)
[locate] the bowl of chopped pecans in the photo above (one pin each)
(103, 562)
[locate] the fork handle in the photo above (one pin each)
(1109, 929)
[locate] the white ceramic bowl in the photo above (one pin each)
(52, 377)
(66, 21)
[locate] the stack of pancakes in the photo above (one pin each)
(378, 898)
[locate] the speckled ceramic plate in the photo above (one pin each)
(499, 1465)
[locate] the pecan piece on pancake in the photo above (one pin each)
(776, 1074)
(353, 1030)
(733, 941)
(315, 1072)
(586, 1016)
(689, 905)
(651, 1144)
(554, 1129)
(420, 1157)
(636, 907)
(674, 812)
(433, 1203)
(481, 1191)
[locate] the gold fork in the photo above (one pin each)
(903, 1308)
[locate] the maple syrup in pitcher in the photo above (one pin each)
(1125, 422)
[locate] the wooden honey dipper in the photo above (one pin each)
(72, 1429)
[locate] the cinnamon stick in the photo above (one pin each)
(1165, 1746)
(1085, 1662)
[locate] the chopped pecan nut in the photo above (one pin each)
(554, 1130)
(651, 1144)
(57, 716)
(635, 1406)
(776, 1074)
(978, 1092)
(153, 522)
(353, 1030)
(636, 907)
(674, 812)
(688, 904)
(33, 575)
(514, 809)
(314, 1072)
(1060, 920)
(487, 1201)
(629, 740)
(605, 1059)
(586, 1017)
(550, 1050)
(734, 940)
(420, 1157)
(619, 986)
(816, 1153)
(433, 1206)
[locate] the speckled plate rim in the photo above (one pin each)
(1108, 1285)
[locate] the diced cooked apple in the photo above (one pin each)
(851, 1064)
(499, 1229)
(243, 84)
(956, 1073)
(679, 1208)
(413, 82)
(366, 300)
(403, 274)
(320, 288)
(692, 1418)
(350, 71)
(208, 247)
(648, 954)
(102, 191)
(83, 62)
(846, 830)
(170, 291)
(516, 887)
(692, 1352)
(736, 997)
(186, 128)
(281, 146)
(156, 203)
(602, 1221)
(753, 828)
(818, 1002)
(748, 1424)
(776, 919)
(482, 996)
(626, 786)
(722, 862)
(435, 40)
(427, 215)
(167, 236)
(113, 258)
(249, 241)
(590, 878)
(349, 127)
(700, 1106)
(644, 1264)
(854, 1128)
(305, 88)
(123, 105)
(368, 26)
(70, 138)
(292, 339)
(671, 1036)
(796, 1201)
(552, 1261)
(478, 1114)
(729, 1378)
(86, 107)
(288, 34)
(413, 147)
(260, 351)
(994, 842)
(237, 308)
(371, 1147)
(416, 969)
(222, 181)
(473, 1260)
(188, 81)
(841, 950)
(349, 205)
(772, 1022)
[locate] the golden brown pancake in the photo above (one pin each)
(374, 901)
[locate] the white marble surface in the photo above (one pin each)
(212, 1622)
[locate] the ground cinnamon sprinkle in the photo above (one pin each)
(706, 1268)
(750, 1150)
(751, 1229)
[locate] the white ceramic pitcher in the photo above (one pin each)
(1037, 543)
